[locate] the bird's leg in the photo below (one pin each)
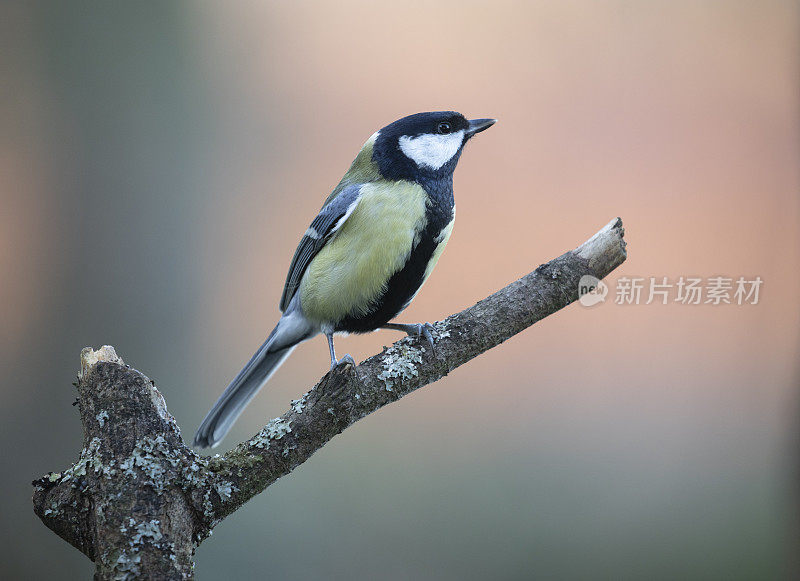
(414, 330)
(344, 360)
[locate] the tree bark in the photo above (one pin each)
(138, 501)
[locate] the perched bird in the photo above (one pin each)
(366, 254)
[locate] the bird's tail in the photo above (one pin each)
(281, 342)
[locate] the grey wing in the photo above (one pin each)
(328, 221)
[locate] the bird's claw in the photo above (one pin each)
(346, 360)
(415, 330)
(424, 329)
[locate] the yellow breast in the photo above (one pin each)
(352, 269)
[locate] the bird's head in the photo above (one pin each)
(424, 145)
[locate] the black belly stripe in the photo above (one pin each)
(399, 290)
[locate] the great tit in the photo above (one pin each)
(366, 254)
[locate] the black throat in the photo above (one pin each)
(439, 211)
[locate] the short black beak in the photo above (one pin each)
(478, 125)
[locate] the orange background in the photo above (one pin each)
(160, 162)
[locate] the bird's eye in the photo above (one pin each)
(443, 128)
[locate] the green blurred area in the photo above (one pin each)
(160, 159)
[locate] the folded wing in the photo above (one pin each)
(322, 229)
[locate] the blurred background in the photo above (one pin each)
(159, 161)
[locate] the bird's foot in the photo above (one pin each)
(424, 330)
(346, 360)
(340, 367)
(415, 330)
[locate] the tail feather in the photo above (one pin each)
(238, 394)
(290, 330)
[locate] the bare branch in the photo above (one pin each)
(138, 501)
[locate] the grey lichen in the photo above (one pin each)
(147, 530)
(208, 506)
(224, 489)
(150, 457)
(127, 567)
(400, 363)
(89, 460)
(298, 405)
(275, 430)
(200, 475)
(442, 329)
(101, 418)
(52, 511)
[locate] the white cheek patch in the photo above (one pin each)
(431, 151)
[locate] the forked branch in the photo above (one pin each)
(139, 501)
